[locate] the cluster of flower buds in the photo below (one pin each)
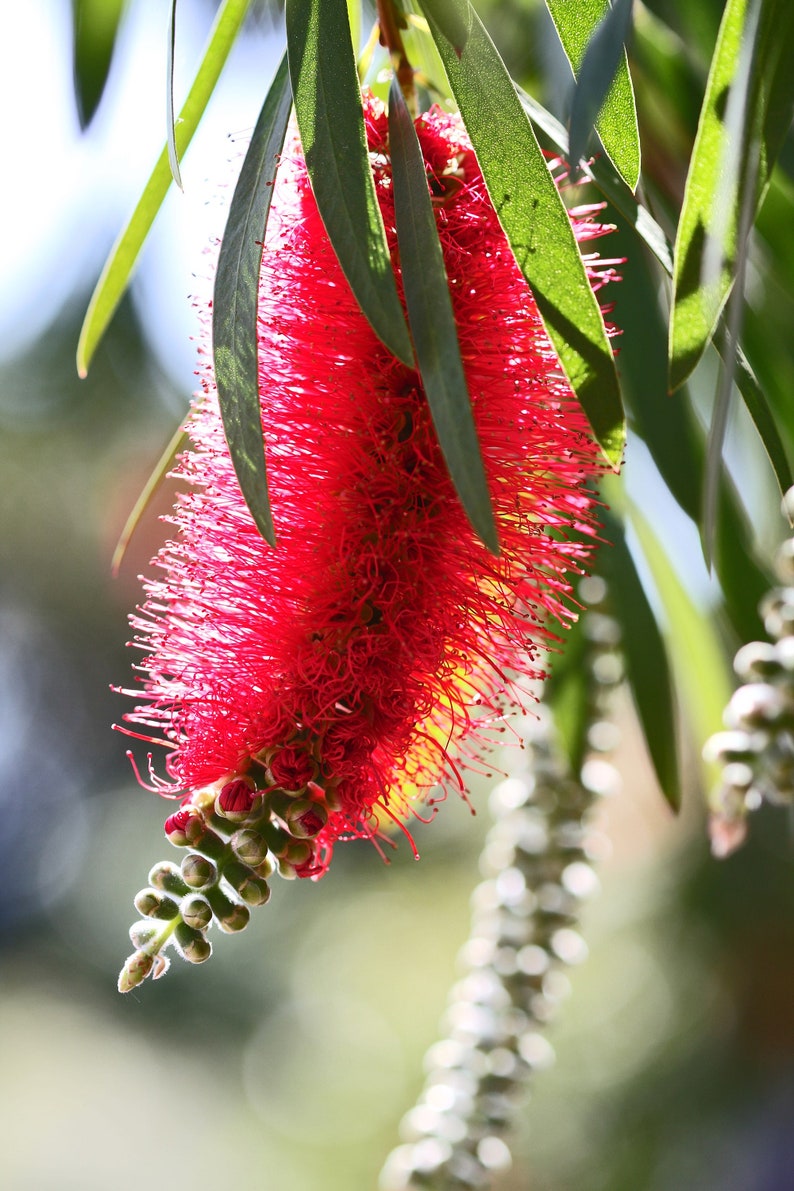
(756, 753)
(537, 869)
(236, 836)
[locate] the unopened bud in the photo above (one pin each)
(252, 889)
(152, 904)
(302, 817)
(142, 933)
(167, 877)
(192, 944)
(249, 846)
(135, 971)
(196, 913)
(238, 800)
(198, 872)
(231, 915)
(176, 826)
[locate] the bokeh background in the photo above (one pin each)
(288, 1060)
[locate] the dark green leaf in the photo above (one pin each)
(173, 155)
(537, 226)
(647, 666)
(746, 111)
(95, 29)
(758, 409)
(593, 36)
(567, 692)
(604, 177)
(432, 321)
(453, 18)
(124, 254)
(235, 302)
(327, 100)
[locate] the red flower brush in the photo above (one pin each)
(322, 686)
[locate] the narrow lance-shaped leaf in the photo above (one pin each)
(161, 469)
(95, 26)
(763, 419)
(538, 228)
(747, 109)
(173, 155)
(327, 100)
(593, 36)
(119, 265)
(647, 667)
(702, 670)
(235, 300)
(453, 18)
(603, 176)
(432, 320)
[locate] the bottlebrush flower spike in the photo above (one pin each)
(336, 675)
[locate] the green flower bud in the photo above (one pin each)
(231, 915)
(152, 904)
(192, 944)
(252, 889)
(249, 846)
(198, 872)
(196, 913)
(167, 878)
(142, 933)
(135, 971)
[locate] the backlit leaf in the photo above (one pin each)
(124, 254)
(327, 100)
(593, 36)
(235, 302)
(432, 321)
(537, 226)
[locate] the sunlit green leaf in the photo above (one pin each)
(645, 652)
(746, 110)
(327, 100)
(608, 181)
(432, 321)
(173, 154)
(235, 301)
(453, 18)
(120, 263)
(537, 227)
(593, 36)
(95, 29)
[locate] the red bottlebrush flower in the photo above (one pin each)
(350, 659)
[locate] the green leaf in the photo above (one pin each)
(124, 254)
(173, 155)
(432, 321)
(593, 36)
(567, 691)
(327, 100)
(95, 25)
(164, 464)
(453, 18)
(702, 670)
(235, 302)
(608, 181)
(745, 113)
(645, 652)
(538, 228)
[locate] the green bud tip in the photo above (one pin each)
(135, 970)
